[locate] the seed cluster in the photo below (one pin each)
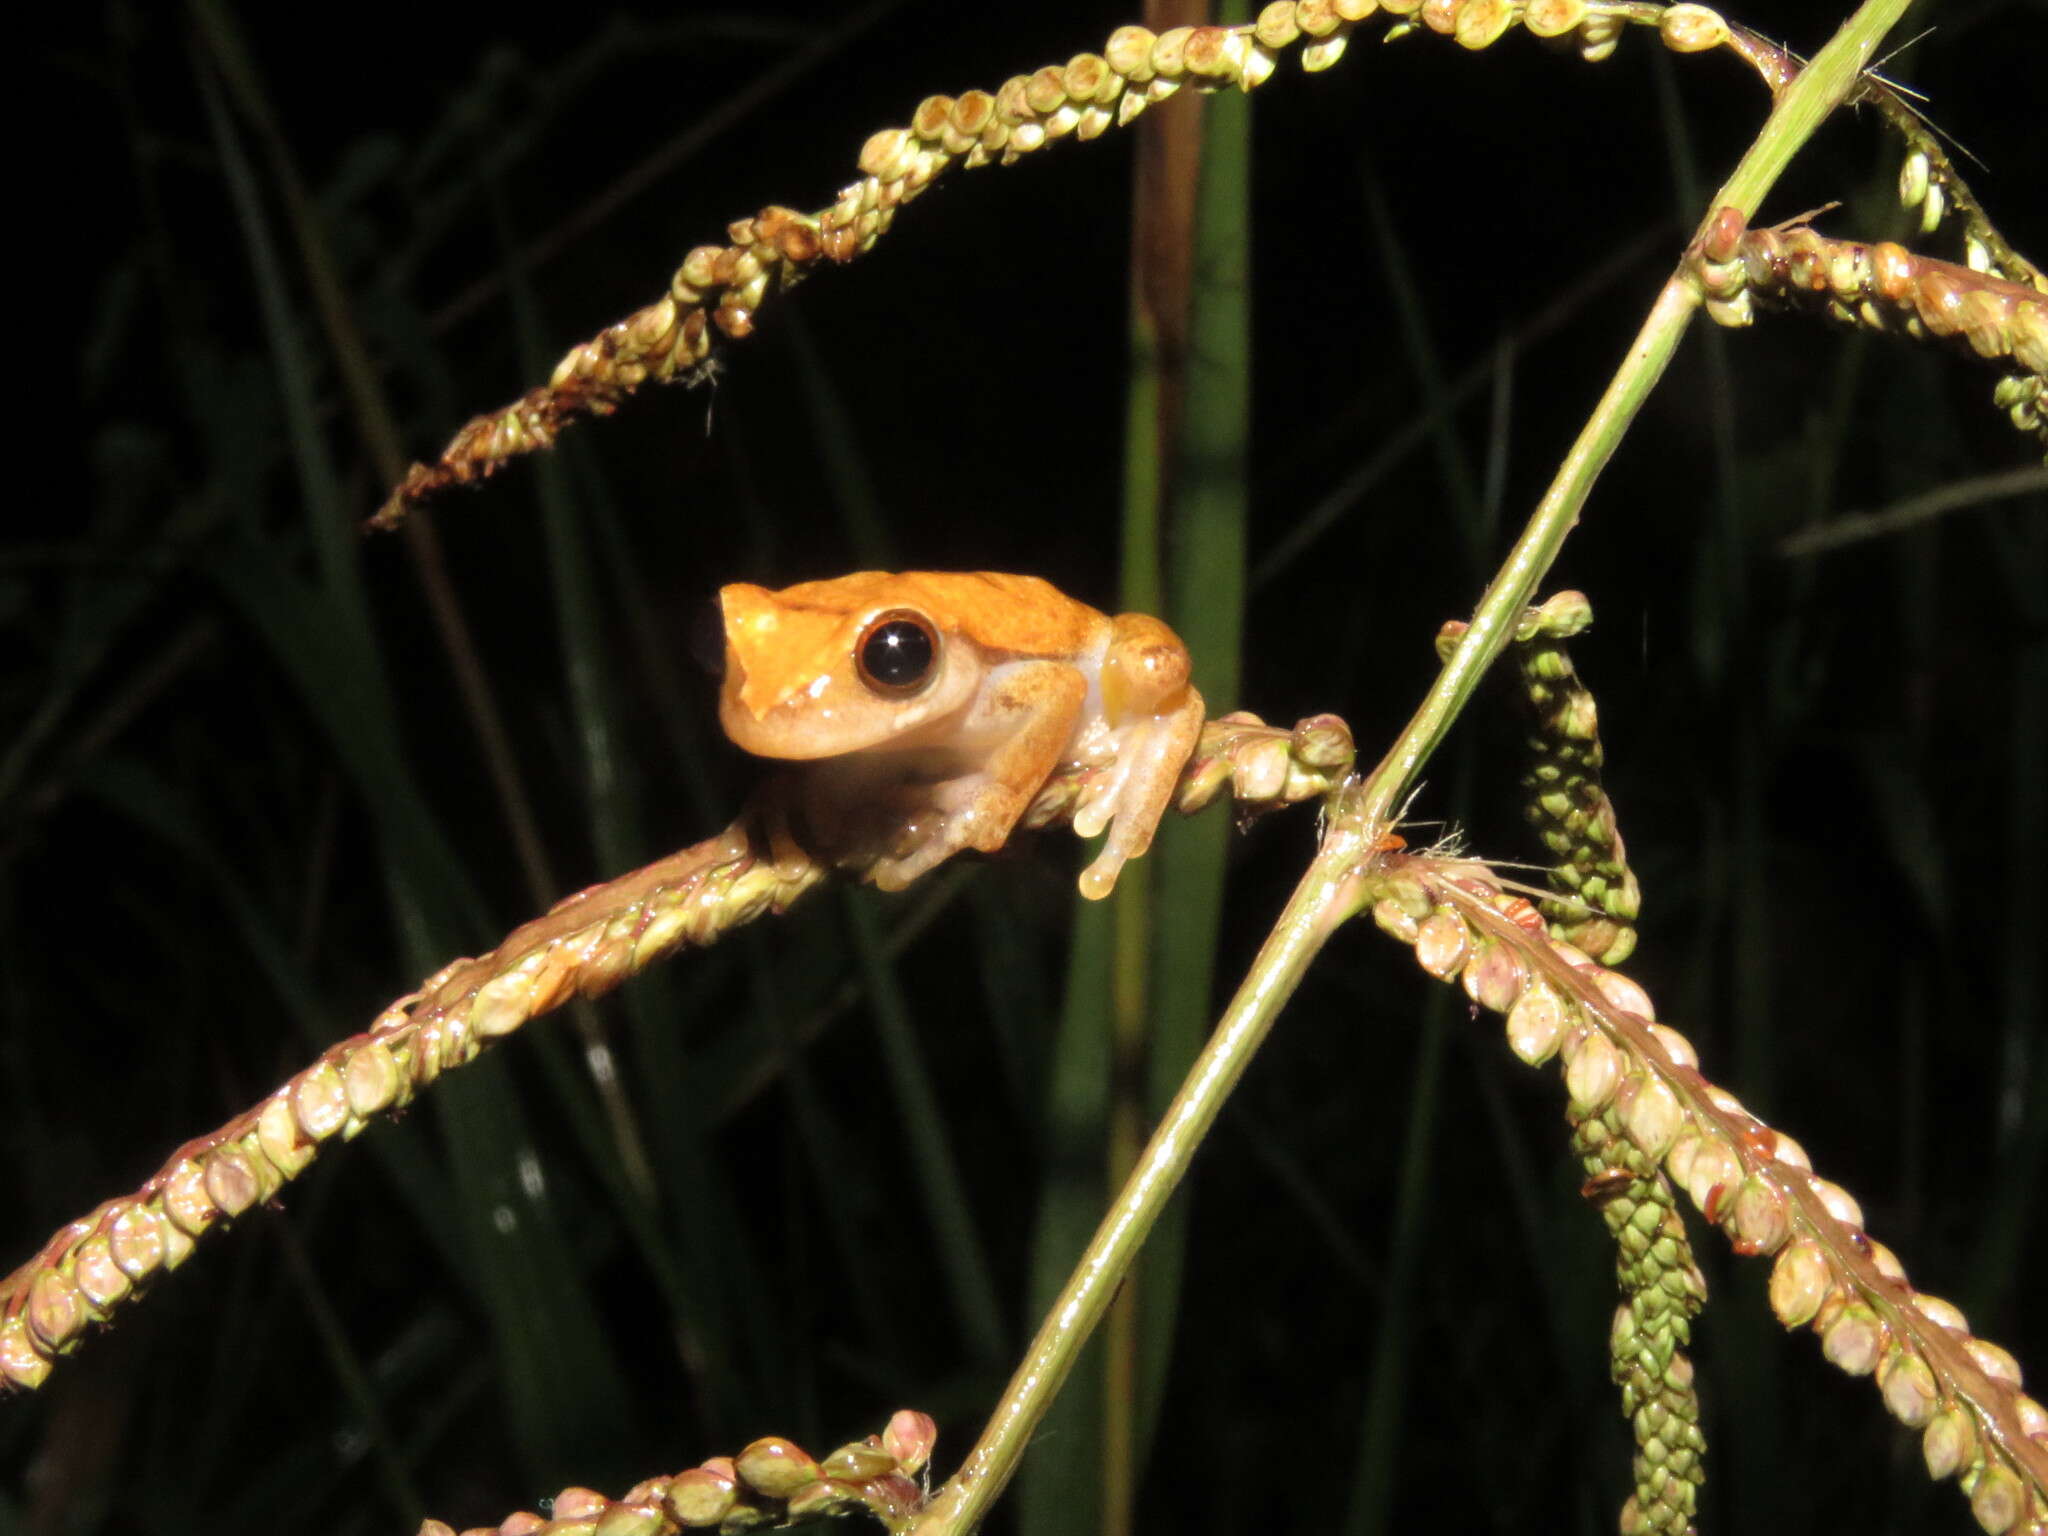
(1662, 1291)
(1262, 767)
(584, 947)
(1930, 187)
(1597, 898)
(719, 288)
(1594, 908)
(773, 1482)
(1961, 1392)
(1884, 287)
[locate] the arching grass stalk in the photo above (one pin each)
(1800, 109)
(1329, 892)
(1321, 903)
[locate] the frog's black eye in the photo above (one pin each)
(707, 637)
(898, 653)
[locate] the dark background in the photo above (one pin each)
(242, 808)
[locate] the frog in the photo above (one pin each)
(926, 710)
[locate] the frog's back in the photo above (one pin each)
(1023, 615)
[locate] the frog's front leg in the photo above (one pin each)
(1153, 719)
(1015, 734)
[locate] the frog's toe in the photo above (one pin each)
(894, 874)
(1100, 804)
(931, 838)
(1093, 814)
(1099, 878)
(985, 822)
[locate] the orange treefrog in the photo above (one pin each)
(933, 705)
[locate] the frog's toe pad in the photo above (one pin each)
(1099, 878)
(1094, 813)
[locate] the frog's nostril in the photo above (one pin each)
(707, 638)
